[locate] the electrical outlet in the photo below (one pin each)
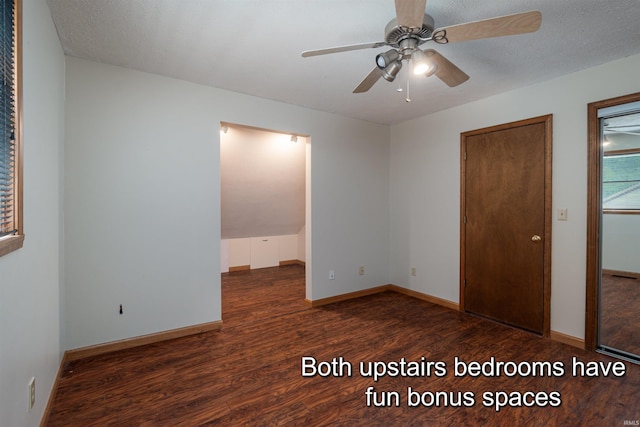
(361, 270)
(413, 271)
(332, 275)
(31, 388)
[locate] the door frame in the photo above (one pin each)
(547, 120)
(594, 218)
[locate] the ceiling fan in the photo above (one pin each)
(412, 27)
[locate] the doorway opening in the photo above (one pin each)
(265, 198)
(613, 267)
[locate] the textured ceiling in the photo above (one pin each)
(254, 46)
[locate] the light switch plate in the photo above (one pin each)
(562, 214)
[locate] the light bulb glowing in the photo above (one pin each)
(421, 68)
(420, 62)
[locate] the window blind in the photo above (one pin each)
(7, 119)
(621, 182)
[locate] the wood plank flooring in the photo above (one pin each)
(251, 295)
(249, 372)
(620, 324)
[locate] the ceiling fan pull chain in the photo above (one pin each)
(408, 98)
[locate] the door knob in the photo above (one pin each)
(536, 238)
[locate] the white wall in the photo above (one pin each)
(262, 178)
(302, 237)
(425, 184)
(142, 202)
(259, 252)
(239, 251)
(620, 238)
(224, 256)
(288, 248)
(31, 278)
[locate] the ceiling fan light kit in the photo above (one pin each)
(412, 27)
(391, 71)
(383, 60)
(421, 64)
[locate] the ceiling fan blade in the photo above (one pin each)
(337, 49)
(447, 71)
(410, 13)
(369, 81)
(520, 23)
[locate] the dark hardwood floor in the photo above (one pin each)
(249, 372)
(251, 295)
(620, 324)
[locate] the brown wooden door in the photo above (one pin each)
(506, 235)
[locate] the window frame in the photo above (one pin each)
(14, 242)
(621, 153)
